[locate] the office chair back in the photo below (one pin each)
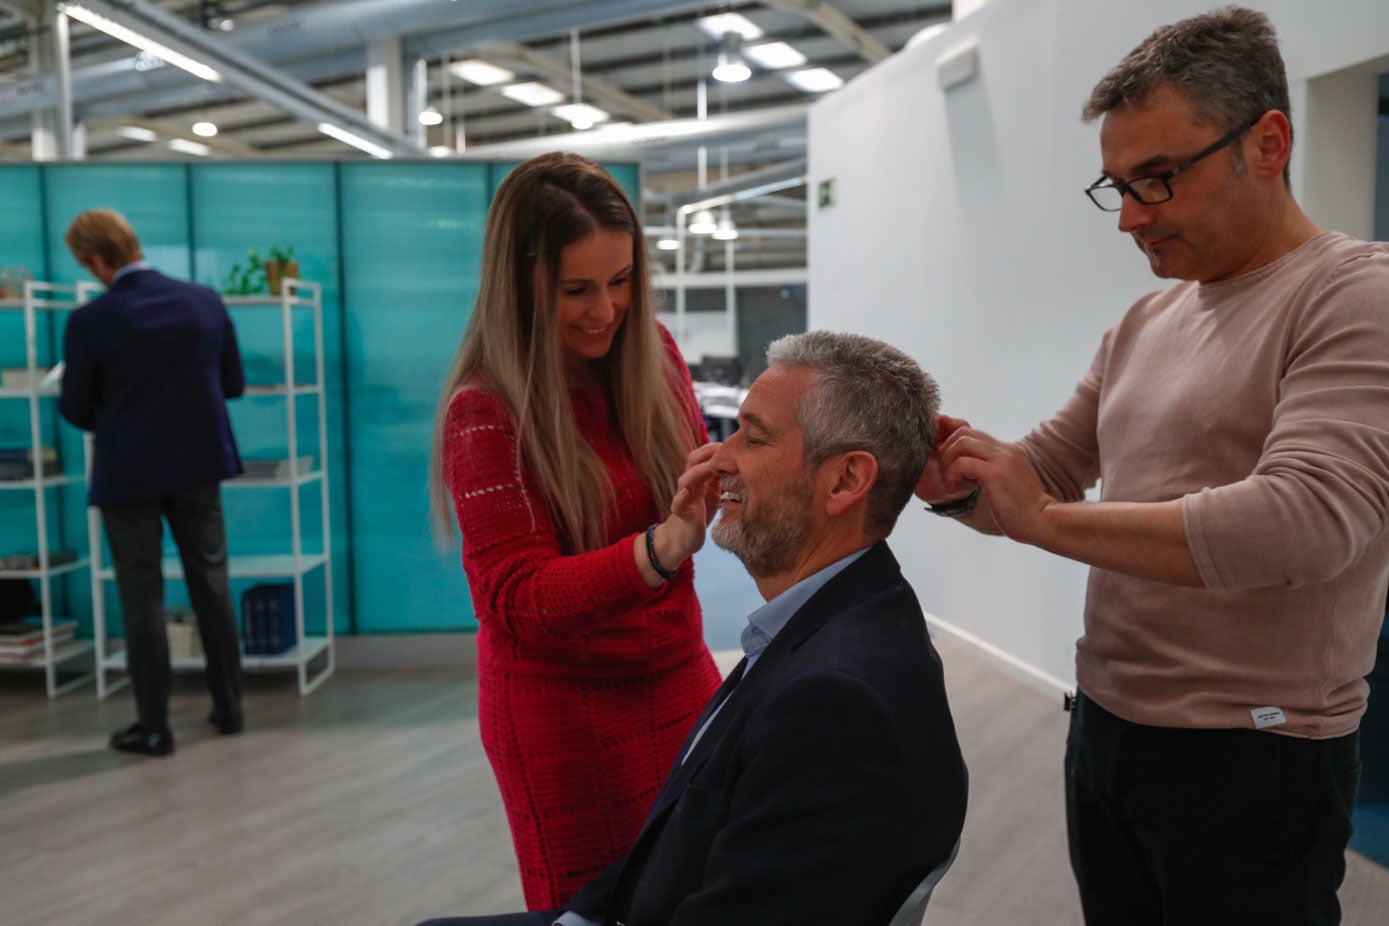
(914, 907)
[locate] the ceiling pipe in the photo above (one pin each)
(625, 142)
(752, 180)
(336, 33)
(252, 76)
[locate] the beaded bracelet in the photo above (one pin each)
(662, 571)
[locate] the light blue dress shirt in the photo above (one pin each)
(763, 626)
(129, 268)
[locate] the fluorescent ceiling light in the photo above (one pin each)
(205, 129)
(775, 55)
(356, 141)
(667, 244)
(533, 94)
(136, 133)
(722, 23)
(431, 116)
(702, 223)
(581, 115)
(440, 151)
(190, 147)
(140, 41)
(482, 73)
(815, 80)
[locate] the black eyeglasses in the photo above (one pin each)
(1109, 195)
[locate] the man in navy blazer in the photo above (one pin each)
(149, 366)
(824, 780)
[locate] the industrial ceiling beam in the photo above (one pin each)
(595, 90)
(164, 130)
(836, 24)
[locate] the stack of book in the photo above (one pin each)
(274, 469)
(267, 619)
(28, 562)
(21, 641)
(184, 640)
(18, 463)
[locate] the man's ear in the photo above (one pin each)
(1271, 143)
(849, 477)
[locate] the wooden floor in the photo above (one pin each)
(371, 804)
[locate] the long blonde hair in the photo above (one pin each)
(512, 349)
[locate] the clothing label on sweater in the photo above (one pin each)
(1267, 717)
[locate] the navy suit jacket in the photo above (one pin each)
(150, 364)
(826, 788)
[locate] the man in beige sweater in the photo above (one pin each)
(1238, 424)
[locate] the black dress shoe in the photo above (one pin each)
(146, 740)
(226, 724)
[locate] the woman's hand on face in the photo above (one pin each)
(696, 498)
(680, 536)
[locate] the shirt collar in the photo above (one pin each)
(767, 621)
(129, 268)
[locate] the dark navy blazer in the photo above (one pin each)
(149, 366)
(829, 784)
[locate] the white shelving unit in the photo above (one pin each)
(39, 298)
(297, 564)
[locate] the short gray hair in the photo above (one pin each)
(865, 395)
(1226, 62)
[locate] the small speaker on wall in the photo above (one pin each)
(957, 65)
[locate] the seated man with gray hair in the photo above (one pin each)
(824, 779)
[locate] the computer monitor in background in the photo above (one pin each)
(727, 371)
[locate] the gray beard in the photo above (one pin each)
(769, 540)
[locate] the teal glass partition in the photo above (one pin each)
(396, 247)
(412, 243)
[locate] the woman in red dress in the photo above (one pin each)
(561, 436)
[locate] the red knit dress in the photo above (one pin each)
(588, 680)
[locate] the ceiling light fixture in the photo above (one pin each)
(482, 73)
(189, 147)
(581, 115)
(815, 80)
(136, 133)
(440, 151)
(142, 42)
(431, 116)
(775, 55)
(726, 230)
(667, 244)
(702, 223)
(719, 25)
(205, 129)
(731, 68)
(356, 141)
(533, 93)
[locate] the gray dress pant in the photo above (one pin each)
(136, 536)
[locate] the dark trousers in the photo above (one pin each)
(1192, 827)
(136, 536)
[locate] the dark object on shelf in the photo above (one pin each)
(18, 463)
(274, 469)
(21, 562)
(18, 599)
(267, 619)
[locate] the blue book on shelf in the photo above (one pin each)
(267, 619)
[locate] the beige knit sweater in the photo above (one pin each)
(1263, 403)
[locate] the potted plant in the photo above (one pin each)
(248, 280)
(279, 265)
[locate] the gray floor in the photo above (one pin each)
(371, 803)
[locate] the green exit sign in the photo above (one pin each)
(827, 193)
